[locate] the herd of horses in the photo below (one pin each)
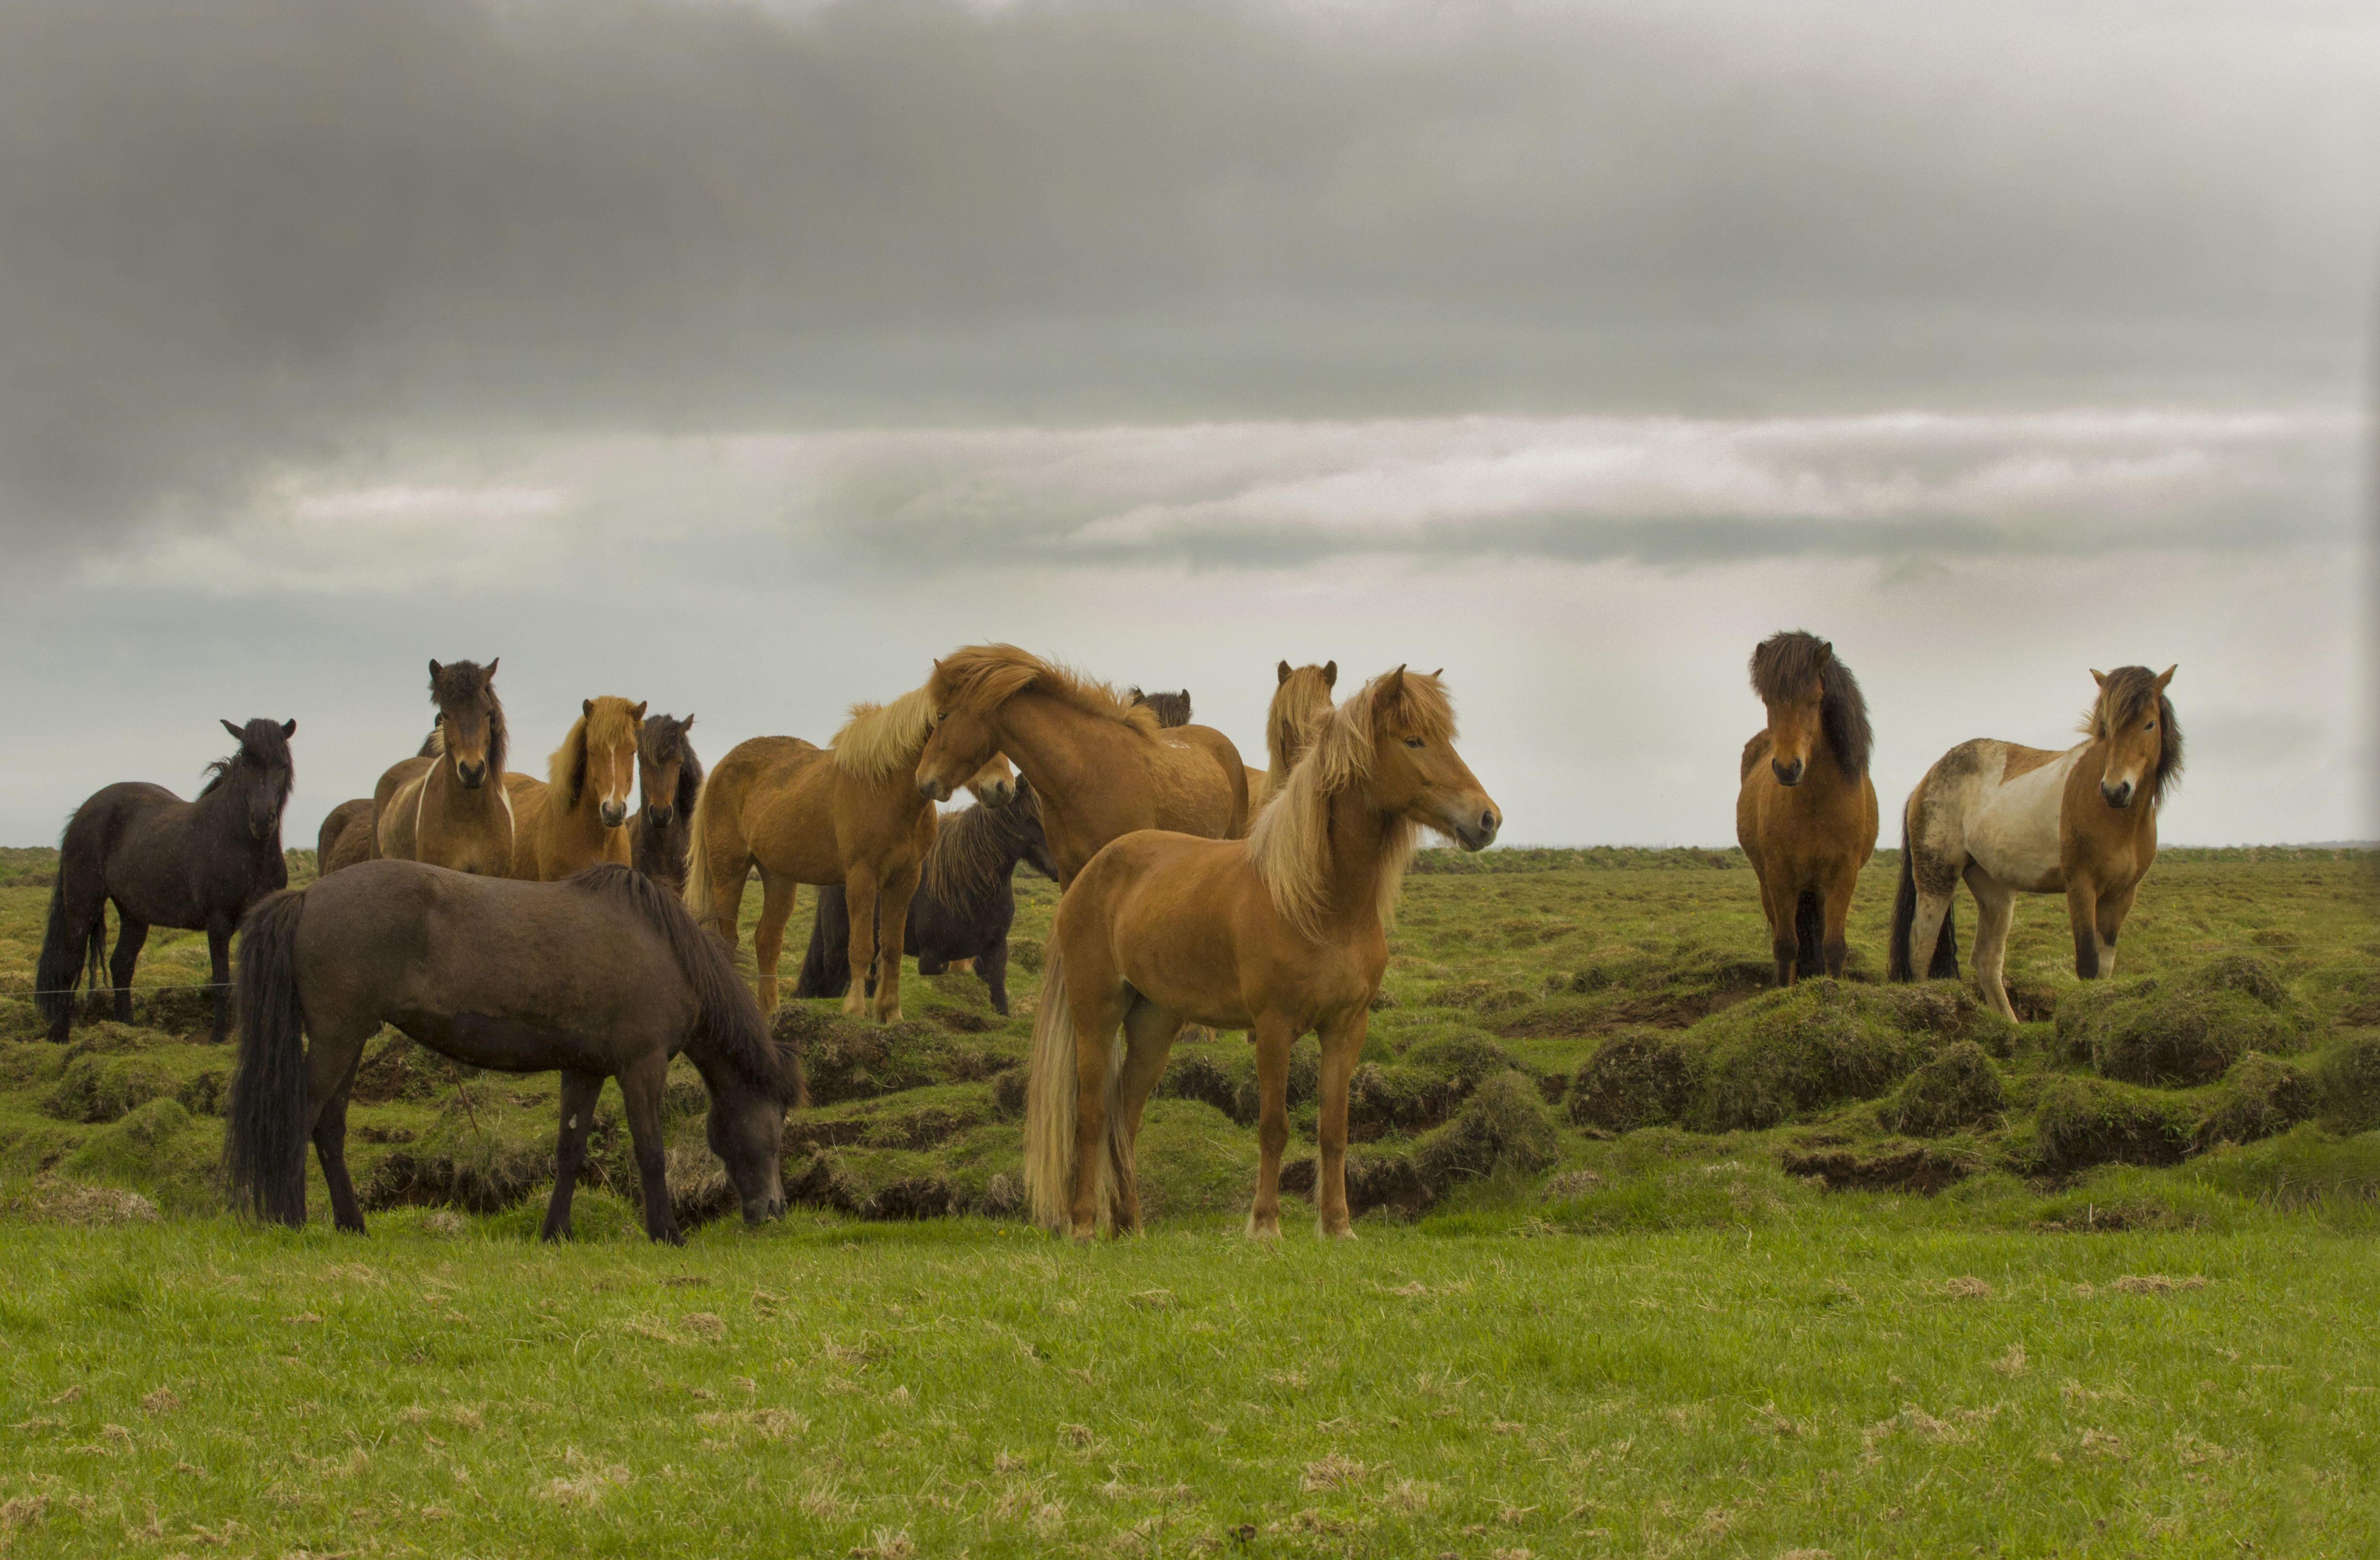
(586, 923)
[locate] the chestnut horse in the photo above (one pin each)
(1301, 701)
(1281, 933)
(1101, 766)
(346, 837)
(848, 815)
(447, 805)
(1805, 807)
(2012, 819)
(578, 815)
(670, 778)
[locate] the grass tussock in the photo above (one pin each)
(2186, 1028)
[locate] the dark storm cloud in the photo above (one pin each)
(269, 232)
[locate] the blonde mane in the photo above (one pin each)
(612, 723)
(982, 677)
(1299, 705)
(880, 740)
(1290, 845)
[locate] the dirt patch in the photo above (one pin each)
(1909, 1168)
(395, 1068)
(1639, 1078)
(844, 1060)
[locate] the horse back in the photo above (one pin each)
(1997, 804)
(1198, 783)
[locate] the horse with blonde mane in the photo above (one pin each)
(2012, 819)
(848, 815)
(1281, 933)
(437, 806)
(1300, 703)
(1804, 806)
(577, 817)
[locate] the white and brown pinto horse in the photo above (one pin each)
(2012, 819)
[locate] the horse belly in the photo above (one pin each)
(499, 1041)
(2013, 833)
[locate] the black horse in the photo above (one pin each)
(602, 975)
(195, 865)
(963, 907)
(669, 777)
(1172, 709)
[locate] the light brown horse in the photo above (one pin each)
(1804, 806)
(2012, 820)
(1101, 765)
(849, 815)
(448, 806)
(1301, 701)
(346, 837)
(577, 817)
(1281, 933)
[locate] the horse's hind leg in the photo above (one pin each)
(129, 936)
(641, 1082)
(1995, 910)
(331, 1066)
(580, 1091)
(1148, 1032)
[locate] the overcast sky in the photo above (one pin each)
(742, 356)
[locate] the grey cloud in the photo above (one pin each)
(266, 231)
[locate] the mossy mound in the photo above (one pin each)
(105, 1086)
(158, 1144)
(1957, 1089)
(2078, 1122)
(2184, 1029)
(2348, 1081)
(1789, 1052)
(1638, 1078)
(2262, 1096)
(845, 1060)
(1504, 1126)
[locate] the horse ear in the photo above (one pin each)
(1392, 687)
(434, 669)
(640, 708)
(2167, 675)
(686, 725)
(586, 707)
(1284, 673)
(492, 666)
(288, 729)
(1330, 674)
(237, 735)
(2098, 677)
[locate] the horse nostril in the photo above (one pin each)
(1488, 821)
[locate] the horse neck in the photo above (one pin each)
(1062, 750)
(1358, 851)
(225, 807)
(1824, 776)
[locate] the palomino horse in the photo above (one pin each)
(447, 805)
(671, 777)
(849, 815)
(1805, 808)
(578, 815)
(1101, 766)
(1281, 933)
(346, 837)
(467, 967)
(163, 861)
(1301, 701)
(2013, 819)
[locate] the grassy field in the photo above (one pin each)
(1653, 1263)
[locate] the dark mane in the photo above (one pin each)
(2125, 697)
(1784, 665)
(459, 682)
(1172, 709)
(729, 1030)
(978, 846)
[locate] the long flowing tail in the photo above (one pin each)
(264, 1131)
(1901, 964)
(1050, 1109)
(1810, 933)
(700, 897)
(60, 963)
(826, 965)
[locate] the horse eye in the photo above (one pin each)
(2151, 727)
(1413, 742)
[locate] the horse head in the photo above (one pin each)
(746, 1131)
(1789, 673)
(662, 760)
(611, 729)
(995, 783)
(2133, 720)
(1415, 772)
(470, 721)
(960, 743)
(264, 751)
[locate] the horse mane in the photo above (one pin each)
(976, 846)
(881, 739)
(458, 682)
(1783, 665)
(2125, 697)
(434, 745)
(728, 1026)
(224, 768)
(613, 721)
(984, 677)
(1290, 845)
(1172, 709)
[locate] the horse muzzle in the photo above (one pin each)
(472, 776)
(2119, 796)
(998, 795)
(614, 814)
(763, 1210)
(1473, 831)
(659, 817)
(1787, 774)
(933, 789)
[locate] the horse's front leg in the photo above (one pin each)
(860, 898)
(219, 962)
(641, 1082)
(580, 1091)
(892, 921)
(1343, 1042)
(1836, 909)
(2113, 909)
(1778, 901)
(129, 935)
(1273, 1038)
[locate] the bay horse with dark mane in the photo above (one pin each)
(848, 815)
(447, 805)
(1805, 807)
(964, 904)
(2012, 819)
(163, 861)
(670, 778)
(1281, 933)
(577, 816)
(467, 967)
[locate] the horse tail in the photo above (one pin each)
(264, 1130)
(1050, 1103)
(61, 962)
(700, 897)
(1810, 932)
(826, 967)
(1945, 962)
(1899, 966)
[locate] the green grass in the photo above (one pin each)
(1565, 1330)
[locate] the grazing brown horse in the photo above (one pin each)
(578, 815)
(346, 837)
(670, 778)
(1804, 805)
(849, 815)
(447, 805)
(163, 861)
(1281, 933)
(2012, 819)
(603, 976)
(1301, 701)
(1101, 766)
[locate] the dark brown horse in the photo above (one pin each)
(603, 975)
(163, 861)
(1804, 806)
(669, 777)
